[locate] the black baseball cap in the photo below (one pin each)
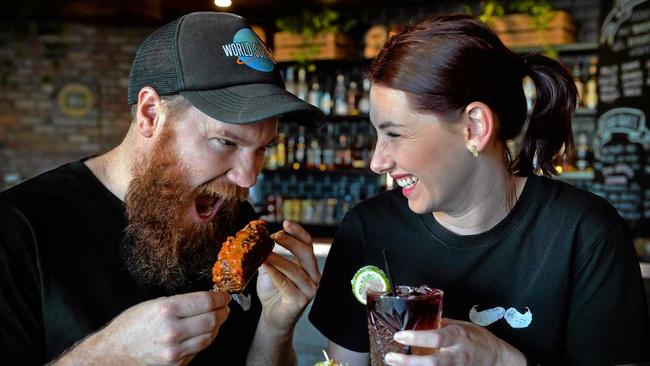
(221, 66)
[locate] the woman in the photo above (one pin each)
(554, 263)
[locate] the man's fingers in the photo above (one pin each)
(196, 344)
(194, 303)
(303, 250)
(296, 230)
(285, 286)
(203, 323)
(294, 273)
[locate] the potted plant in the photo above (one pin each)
(313, 36)
(529, 23)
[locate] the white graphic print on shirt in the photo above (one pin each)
(512, 316)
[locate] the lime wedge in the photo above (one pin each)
(369, 278)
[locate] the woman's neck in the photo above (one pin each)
(485, 202)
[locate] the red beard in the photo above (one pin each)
(163, 246)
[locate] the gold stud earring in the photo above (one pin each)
(474, 151)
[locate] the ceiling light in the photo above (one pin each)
(223, 3)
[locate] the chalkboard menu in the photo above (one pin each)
(622, 141)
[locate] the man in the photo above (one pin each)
(107, 260)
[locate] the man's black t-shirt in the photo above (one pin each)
(560, 270)
(62, 275)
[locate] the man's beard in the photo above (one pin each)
(162, 245)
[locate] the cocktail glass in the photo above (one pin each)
(410, 308)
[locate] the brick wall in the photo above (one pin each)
(36, 62)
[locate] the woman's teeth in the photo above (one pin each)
(407, 182)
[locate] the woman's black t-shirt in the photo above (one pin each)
(561, 264)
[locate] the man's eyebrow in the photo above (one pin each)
(387, 124)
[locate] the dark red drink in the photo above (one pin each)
(412, 308)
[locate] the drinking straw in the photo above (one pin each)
(393, 292)
(393, 288)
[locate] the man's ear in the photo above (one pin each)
(147, 111)
(479, 122)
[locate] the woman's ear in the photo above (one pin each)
(479, 126)
(147, 110)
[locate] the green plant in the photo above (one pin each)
(489, 8)
(540, 11)
(310, 23)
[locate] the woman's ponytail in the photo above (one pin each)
(549, 127)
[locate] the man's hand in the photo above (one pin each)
(456, 343)
(285, 287)
(164, 331)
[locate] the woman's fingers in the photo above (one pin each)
(439, 338)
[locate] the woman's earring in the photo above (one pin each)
(474, 151)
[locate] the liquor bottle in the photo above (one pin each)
(580, 85)
(591, 92)
(326, 102)
(291, 151)
(316, 154)
(343, 157)
(326, 97)
(281, 151)
(364, 102)
(311, 154)
(301, 87)
(352, 97)
(314, 95)
(290, 84)
(300, 149)
(358, 153)
(329, 151)
(340, 102)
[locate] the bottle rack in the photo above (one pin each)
(314, 177)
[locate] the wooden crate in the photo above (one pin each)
(324, 46)
(518, 30)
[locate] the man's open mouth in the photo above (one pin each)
(206, 207)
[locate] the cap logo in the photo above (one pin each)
(250, 51)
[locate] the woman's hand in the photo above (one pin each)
(456, 343)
